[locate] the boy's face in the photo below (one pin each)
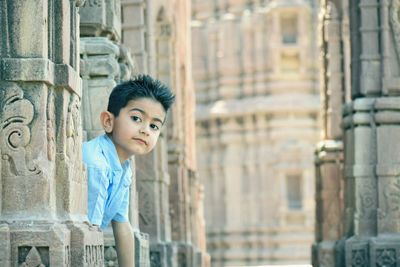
(136, 129)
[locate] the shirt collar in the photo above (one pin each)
(111, 153)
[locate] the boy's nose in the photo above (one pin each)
(144, 130)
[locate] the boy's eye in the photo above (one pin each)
(136, 118)
(154, 127)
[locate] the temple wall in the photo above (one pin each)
(256, 81)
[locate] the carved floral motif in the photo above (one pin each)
(15, 116)
(359, 258)
(367, 198)
(386, 258)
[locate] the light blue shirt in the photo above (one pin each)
(108, 182)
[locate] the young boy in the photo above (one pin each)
(135, 115)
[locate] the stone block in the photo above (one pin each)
(101, 18)
(385, 250)
(40, 243)
(87, 245)
(357, 252)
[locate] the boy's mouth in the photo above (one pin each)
(140, 140)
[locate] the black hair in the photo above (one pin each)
(142, 86)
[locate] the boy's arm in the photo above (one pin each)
(123, 235)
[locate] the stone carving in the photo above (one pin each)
(16, 114)
(391, 195)
(386, 258)
(125, 62)
(51, 146)
(395, 21)
(94, 255)
(33, 257)
(73, 127)
(92, 3)
(367, 201)
(110, 257)
(359, 258)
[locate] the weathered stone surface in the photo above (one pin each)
(370, 125)
(100, 71)
(43, 203)
(142, 250)
(101, 18)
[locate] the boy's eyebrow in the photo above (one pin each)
(144, 113)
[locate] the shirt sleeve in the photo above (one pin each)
(122, 213)
(98, 183)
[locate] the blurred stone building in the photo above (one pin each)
(59, 61)
(257, 94)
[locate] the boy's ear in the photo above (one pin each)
(107, 121)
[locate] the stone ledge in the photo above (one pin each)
(41, 70)
(27, 69)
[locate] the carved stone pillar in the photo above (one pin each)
(43, 204)
(329, 153)
(371, 233)
(105, 63)
(134, 31)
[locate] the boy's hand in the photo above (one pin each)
(124, 243)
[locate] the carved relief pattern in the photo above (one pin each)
(73, 126)
(94, 255)
(391, 194)
(367, 201)
(395, 22)
(92, 3)
(16, 113)
(110, 257)
(359, 258)
(30, 257)
(51, 146)
(386, 258)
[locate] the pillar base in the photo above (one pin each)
(325, 254)
(383, 250)
(50, 244)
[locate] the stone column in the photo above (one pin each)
(329, 153)
(43, 205)
(134, 31)
(105, 63)
(229, 65)
(371, 234)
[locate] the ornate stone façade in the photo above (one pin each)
(42, 185)
(365, 34)
(256, 80)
